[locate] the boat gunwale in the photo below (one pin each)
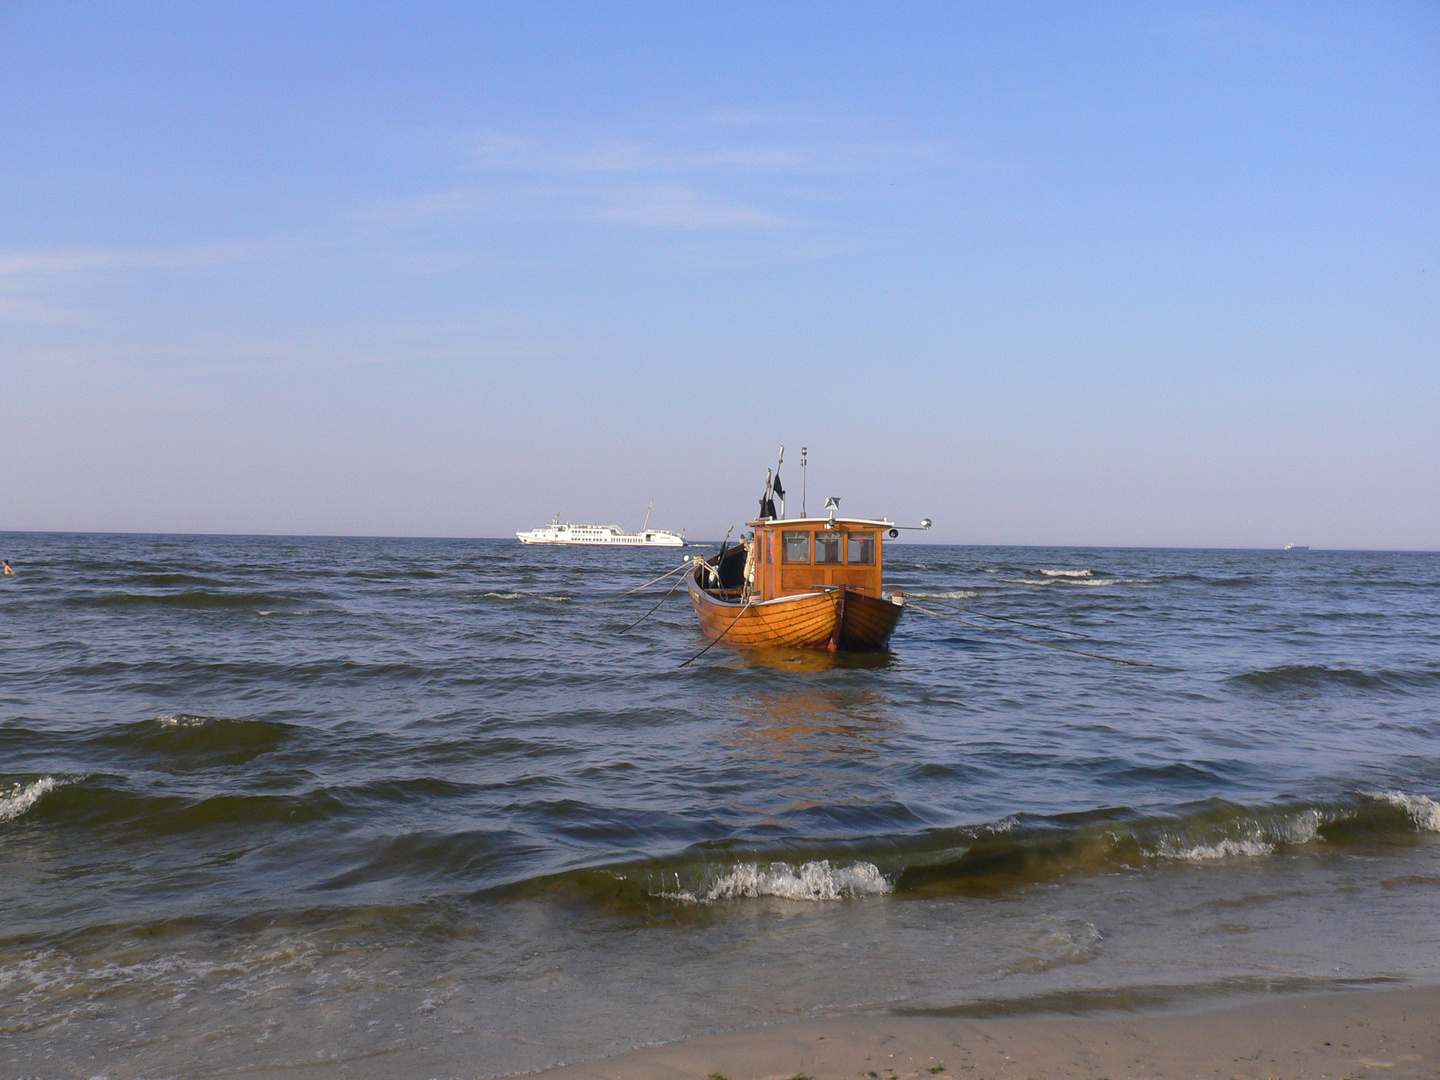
(816, 592)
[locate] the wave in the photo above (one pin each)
(816, 880)
(107, 806)
(23, 796)
(1068, 573)
(1319, 677)
(994, 859)
(957, 594)
(195, 600)
(93, 804)
(1424, 812)
(1083, 581)
(197, 740)
(332, 669)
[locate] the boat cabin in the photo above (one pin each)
(804, 554)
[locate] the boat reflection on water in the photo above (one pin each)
(797, 726)
(809, 660)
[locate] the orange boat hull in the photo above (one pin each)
(837, 619)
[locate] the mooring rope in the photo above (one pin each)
(654, 609)
(1028, 641)
(1032, 625)
(652, 581)
(712, 644)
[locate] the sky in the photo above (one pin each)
(1094, 274)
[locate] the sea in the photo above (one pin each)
(332, 807)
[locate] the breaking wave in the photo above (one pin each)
(816, 880)
(994, 859)
(22, 797)
(1423, 811)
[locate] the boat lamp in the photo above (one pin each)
(925, 523)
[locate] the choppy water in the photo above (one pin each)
(415, 808)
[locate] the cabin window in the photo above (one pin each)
(796, 547)
(827, 547)
(860, 549)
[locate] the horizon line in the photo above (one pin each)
(699, 543)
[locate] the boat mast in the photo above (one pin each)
(803, 451)
(777, 480)
(647, 515)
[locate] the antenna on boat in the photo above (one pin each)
(647, 516)
(804, 450)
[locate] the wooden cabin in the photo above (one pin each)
(799, 555)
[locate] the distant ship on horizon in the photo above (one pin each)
(1297, 547)
(564, 532)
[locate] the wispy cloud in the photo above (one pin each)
(492, 151)
(733, 173)
(676, 206)
(71, 260)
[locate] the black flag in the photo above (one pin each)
(776, 488)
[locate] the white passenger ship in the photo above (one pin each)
(563, 532)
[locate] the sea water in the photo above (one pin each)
(413, 808)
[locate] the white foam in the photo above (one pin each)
(1056, 940)
(1299, 828)
(1423, 811)
(1067, 573)
(1225, 849)
(958, 594)
(557, 599)
(23, 796)
(502, 596)
(811, 881)
(1088, 581)
(1261, 839)
(183, 720)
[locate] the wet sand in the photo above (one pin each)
(1373, 1033)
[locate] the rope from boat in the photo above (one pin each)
(654, 609)
(631, 592)
(1032, 625)
(1028, 641)
(712, 644)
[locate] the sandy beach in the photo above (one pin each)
(1354, 1034)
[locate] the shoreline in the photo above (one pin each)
(1339, 1034)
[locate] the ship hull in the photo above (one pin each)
(839, 619)
(624, 541)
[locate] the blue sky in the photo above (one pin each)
(1076, 274)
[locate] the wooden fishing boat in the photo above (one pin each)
(810, 583)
